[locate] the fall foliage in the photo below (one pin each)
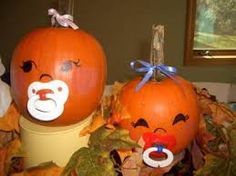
(213, 148)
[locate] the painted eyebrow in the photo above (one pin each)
(140, 122)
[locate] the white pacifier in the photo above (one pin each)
(51, 106)
(158, 163)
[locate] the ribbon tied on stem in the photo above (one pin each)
(63, 20)
(149, 69)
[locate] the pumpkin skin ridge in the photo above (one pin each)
(87, 82)
(187, 130)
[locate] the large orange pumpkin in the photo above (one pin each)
(57, 75)
(162, 112)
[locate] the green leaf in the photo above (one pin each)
(215, 166)
(96, 160)
(110, 139)
(89, 162)
(233, 164)
(233, 142)
(97, 138)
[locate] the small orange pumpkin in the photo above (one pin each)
(162, 112)
(57, 75)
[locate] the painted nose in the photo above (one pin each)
(160, 131)
(45, 77)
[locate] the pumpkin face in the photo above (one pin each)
(162, 113)
(57, 75)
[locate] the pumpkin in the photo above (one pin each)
(57, 75)
(161, 113)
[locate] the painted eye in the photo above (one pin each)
(27, 66)
(140, 122)
(67, 65)
(180, 117)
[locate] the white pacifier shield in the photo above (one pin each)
(51, 107)
(155, 163)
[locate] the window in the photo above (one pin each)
(210, 32)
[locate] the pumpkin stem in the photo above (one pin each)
(157, 49)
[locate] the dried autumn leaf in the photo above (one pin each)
(204, 136)
(215, 166)
(6, 137)
(10, 151)
(111, 139)
(96, 159)
(197, 156)
(97, 122)
(221, 113)
(3, 152)
(10, 120)
(87, 162)
(233, 141)
(117, 86)
(14, 150)
(131, 166)
(44, 169)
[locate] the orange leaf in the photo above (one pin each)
(3, 152)
(97, 122)
(50, 169)
(13, 150)
(10, 120)
(117, 86)
(197, 156)
(7, 153)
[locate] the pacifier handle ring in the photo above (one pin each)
(154, 163)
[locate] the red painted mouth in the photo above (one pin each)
(42, 93)
(154, 140)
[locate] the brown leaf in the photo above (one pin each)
(3, 153)
(10, 120)
(204, 136)
(7, 153)
(13, 150)
(118, 112)
(221, 113)
(6, 137)
(117, 86)
(48, 169)
(131, 166)
(97, 122)
(197, 156)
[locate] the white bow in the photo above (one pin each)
(64, 20)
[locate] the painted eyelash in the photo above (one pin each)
(180, 117)
(140, 122)
(28, 65)
(77, 63)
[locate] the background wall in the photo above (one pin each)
(16, 19)
(124, 29)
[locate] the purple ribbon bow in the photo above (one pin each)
(149, 70)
